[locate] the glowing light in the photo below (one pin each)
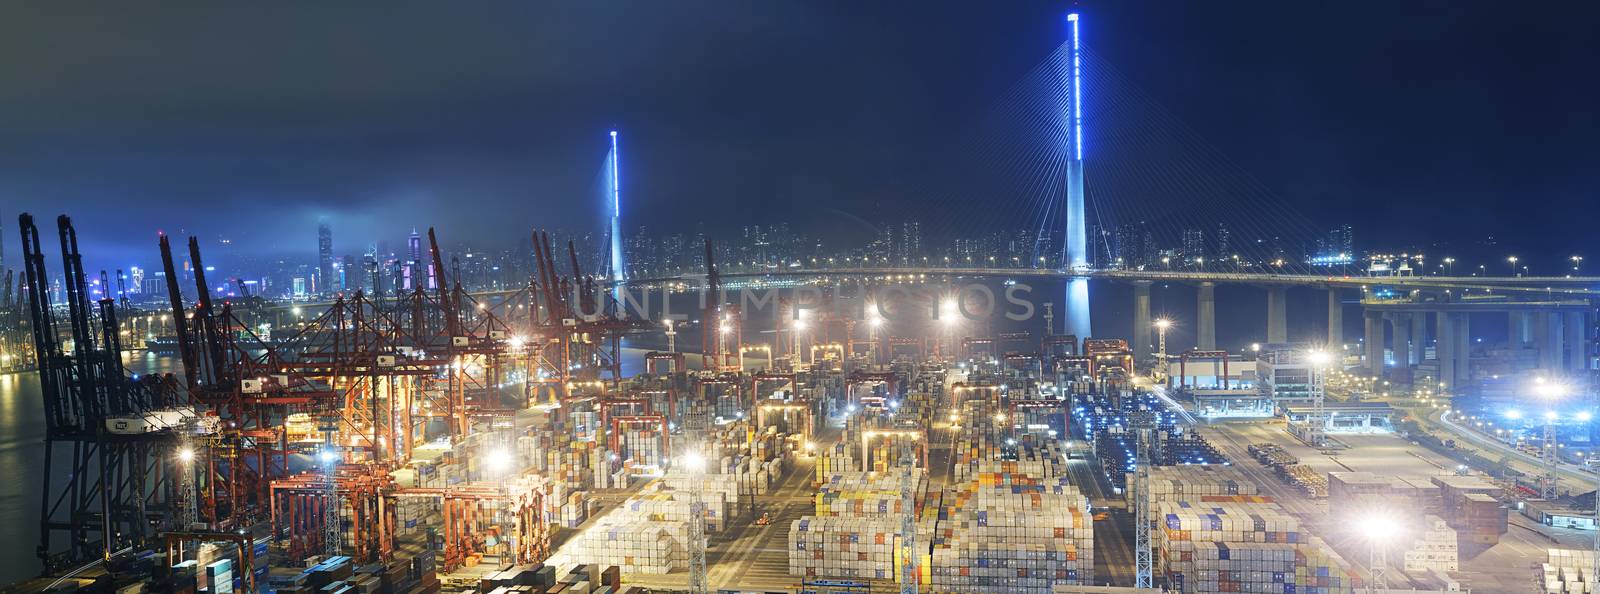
(1077, 94)
(499, 461)
(1549, 390)
(186, 455)
(616, 210)
(1549, 415)
(1513, 414)
(1163, 323)
(1378, 528)
(694, 462)
(616, 189)
(1585, 416)
(329, 456)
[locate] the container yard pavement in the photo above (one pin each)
(1501, 568)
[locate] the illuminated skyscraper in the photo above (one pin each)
(328, 281)
(413, 267)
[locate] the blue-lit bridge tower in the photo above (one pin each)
(614, 196)
(1076, 244)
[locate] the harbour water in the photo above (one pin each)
(22, 466)
(22, 433)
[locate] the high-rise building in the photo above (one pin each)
(1194, 244)
(327, 282)
(136, 277)
(1224, 242)
(910, 241)
(349, 275)
(1338, 248)
(412, 272)
(1342, 237)
(1133, 245)
(371, 274)
(154, 285)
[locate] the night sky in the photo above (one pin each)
(1417, 122)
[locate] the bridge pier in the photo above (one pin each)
(1076, 306)
(1445, 349)
(1141, 321)
(1400, 330)
(1206, 328)
(1277, 314)
(1547, 338)
(1577, 340)
(1419, 337)
(1335, 320)
(1373, 342)
(1521, 328)
(1462, 330)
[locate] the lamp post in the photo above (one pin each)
(798, 326)
(331, 535)
(874, 322)
(1513, 261)
(1577, 264)
(1378, 529)
(1316, 427)
(672, 338)
(1550, 391)
(1161, 341)
(191, 509)
(947, 318)
(695, 463)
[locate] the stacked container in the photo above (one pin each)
(1481, 519)
(843, 548)
(674, 507)
(1321, 570)
(1353, 490)
(1217, 547)
(1012, 533)
(572, 510)
(866, 494)
(635, 545)
(1567, 572)
(1434, 547)
(1194, 483)
(855, 532)
(711, 486)
(1237, 567)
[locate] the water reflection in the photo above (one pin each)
(22, 432)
